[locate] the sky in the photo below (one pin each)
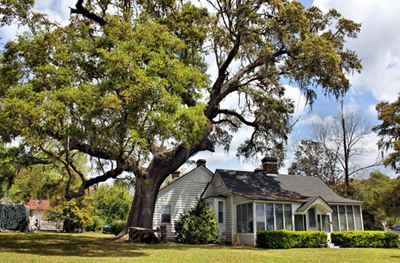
(378, 45)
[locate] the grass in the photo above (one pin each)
(79, 248)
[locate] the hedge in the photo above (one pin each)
(372, 239)
(291, 239)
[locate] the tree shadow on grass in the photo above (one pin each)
(66, 245)
(85, 245)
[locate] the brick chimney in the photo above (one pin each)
(201, 162)
(269, 165)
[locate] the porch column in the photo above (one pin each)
(330, 223)
(362, 220)
(306, 216)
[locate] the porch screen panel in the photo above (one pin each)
(350, 218)
(239, 218)
(312, 221)
(249, 218)
(279, 216)
(244, 218)
(260, 219)
(335, 220)
(357, 214)
(269, 216)
(299, 222)
(288, 216)
(342, 217)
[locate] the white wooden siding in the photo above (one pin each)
(181, 195)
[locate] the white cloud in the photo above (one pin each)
(378, 43)
(57, 10)
(298, 98)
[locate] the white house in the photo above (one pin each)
(246, 202)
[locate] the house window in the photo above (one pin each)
(166, 214)
(335, 220)
(311, 217)
(220, 212)
(279, 216)
(350, 218)
(342, 217)
(244, 218)
(288, 216)
(260, 217)
(269, 216)
(357, 214)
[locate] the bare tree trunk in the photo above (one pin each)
(345, 152)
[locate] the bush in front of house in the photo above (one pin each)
(291, 239)
(372, 239)
(197, 226)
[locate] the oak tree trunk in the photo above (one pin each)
(142, 209)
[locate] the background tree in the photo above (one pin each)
(389, 132)
(342, 138)
(112, 202)
(311, 158)
(379, 194)
(124, 83)
(75, 213)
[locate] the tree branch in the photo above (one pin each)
(237, 115)
(81, 10)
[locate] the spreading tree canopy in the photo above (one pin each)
(389, 132)
(125, 82)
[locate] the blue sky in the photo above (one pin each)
(378, 45)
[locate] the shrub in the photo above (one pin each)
(117, 226)
(291, 239)
(97, 224)
(197, 226)
(373, 239)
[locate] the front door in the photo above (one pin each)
(221, 215)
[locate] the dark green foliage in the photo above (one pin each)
(374, 239)
(380, 195)
(117, 226)
(197, 226)
(291, 239)
(112, 202)
(96, 225)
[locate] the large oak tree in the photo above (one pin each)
(125, 83)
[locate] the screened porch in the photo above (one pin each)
(257, 216)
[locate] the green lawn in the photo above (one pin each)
(77, 248)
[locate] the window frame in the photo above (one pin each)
(163, 209)
(221, 211)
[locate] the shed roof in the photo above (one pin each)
(34, 204)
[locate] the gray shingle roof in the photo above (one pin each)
(258, 185)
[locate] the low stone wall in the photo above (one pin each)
(13, 217)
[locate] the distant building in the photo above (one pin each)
(37, 216)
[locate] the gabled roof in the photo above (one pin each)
(313, 201)
(174, 181)
(259, 185)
